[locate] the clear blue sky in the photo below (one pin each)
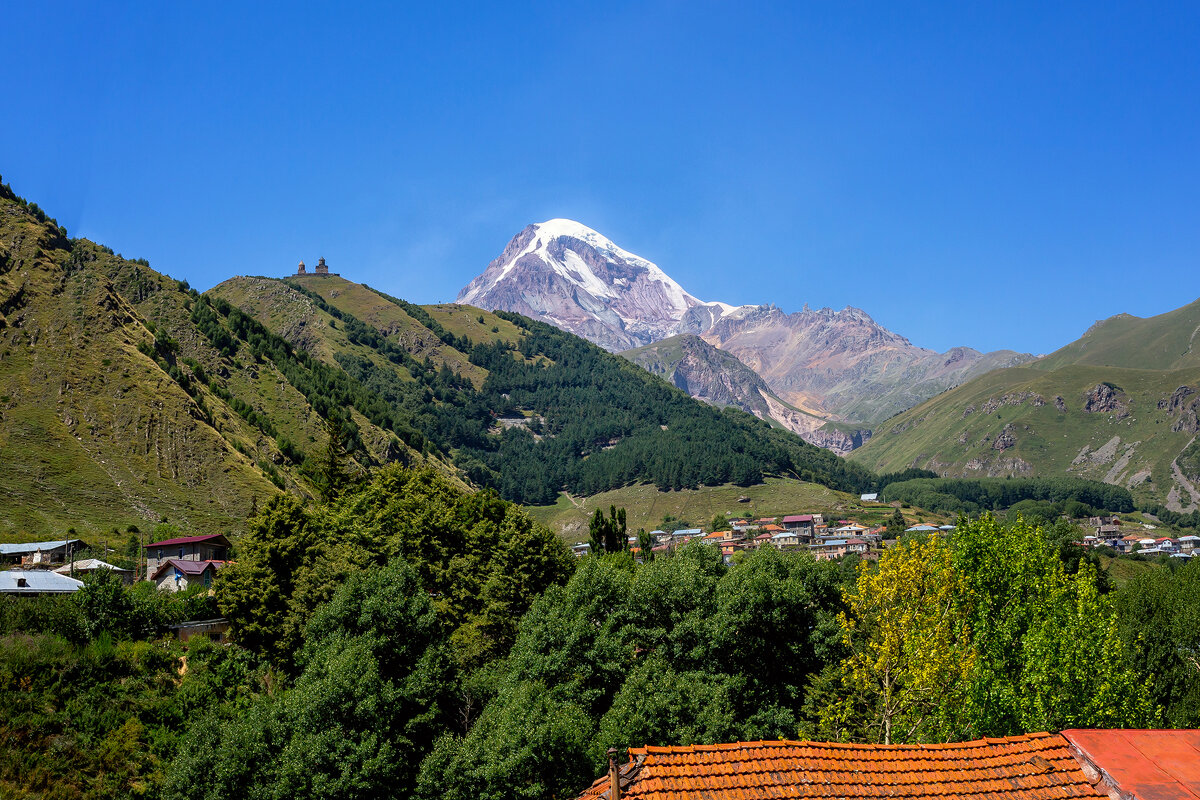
(995, 175)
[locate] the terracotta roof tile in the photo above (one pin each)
(1033, 767)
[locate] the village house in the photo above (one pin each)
(34, 554)
(799, 523)
(849, 529)
(213, 547)
(728, 549)
(685, 535)
(1188, 544)
(1125, 543)
(785, 540)
(176, 574)
(837, 548)
(215, 630)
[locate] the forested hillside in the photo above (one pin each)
(521, 406)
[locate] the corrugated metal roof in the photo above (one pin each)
(36, 581)
(87, 565)
(33, 547)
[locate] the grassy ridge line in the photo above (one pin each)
(95, 431)
(1164, 342)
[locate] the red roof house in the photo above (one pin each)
(213, 547)
(1147, 765)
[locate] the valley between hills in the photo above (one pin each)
(127, 397)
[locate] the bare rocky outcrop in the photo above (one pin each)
(839, 441)
(1185, 412)
(718, 378)
(1106, 399)
(1006, 439)
(1011, 399)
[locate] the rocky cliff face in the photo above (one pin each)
(704, 372)
(718, 378)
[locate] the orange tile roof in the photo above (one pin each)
(1039, 766)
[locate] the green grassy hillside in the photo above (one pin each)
(126, 397)
(646, 506)
(1131, 427)
(94, 429)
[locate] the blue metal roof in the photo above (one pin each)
(33, 547)
(36, 581)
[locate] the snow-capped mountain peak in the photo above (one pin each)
(570, 275)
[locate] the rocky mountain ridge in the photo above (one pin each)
(719, 378)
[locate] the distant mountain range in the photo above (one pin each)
(827, 375)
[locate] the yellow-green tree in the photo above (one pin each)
(910, 655)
